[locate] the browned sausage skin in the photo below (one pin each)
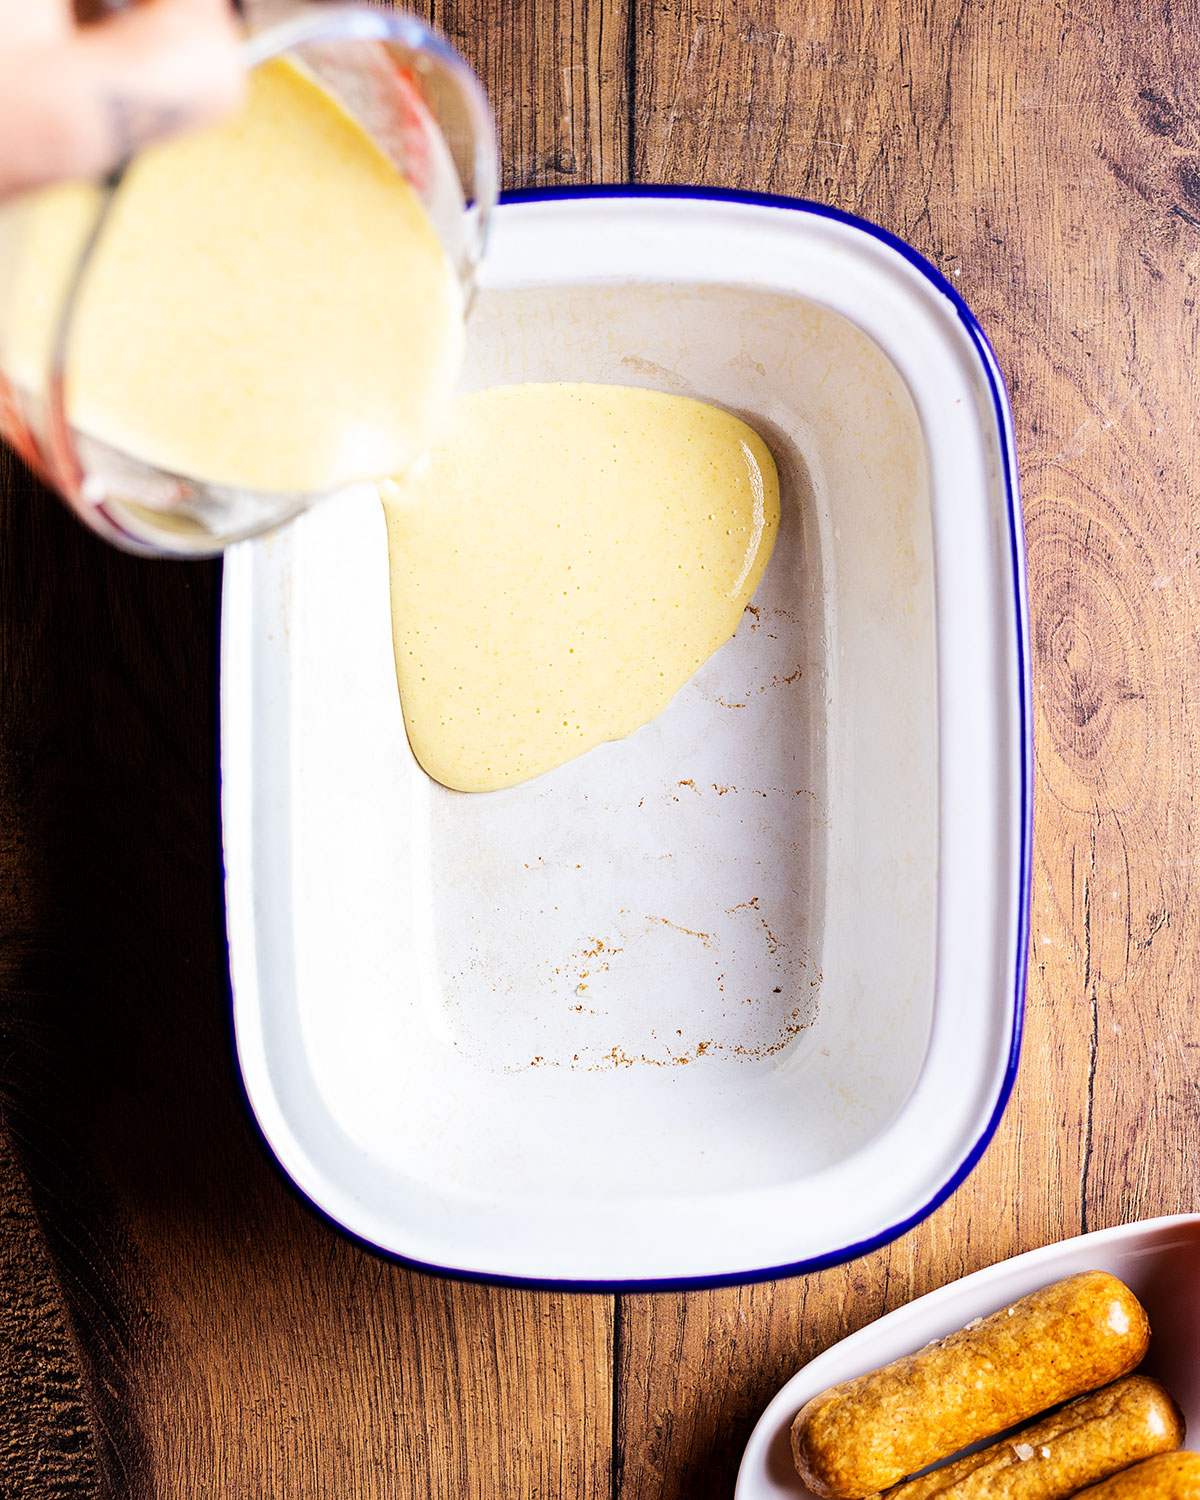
(1085, 1441)
(866, 1434)
(1172, 1476)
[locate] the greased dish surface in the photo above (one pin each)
(738, 993)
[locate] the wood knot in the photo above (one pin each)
(1160, 115)
(1092, 639)
(1187, 177)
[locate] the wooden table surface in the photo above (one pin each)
(172, 1322)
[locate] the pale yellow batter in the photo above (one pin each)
(269, 305)
(566, 559)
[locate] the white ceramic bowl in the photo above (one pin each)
(739, 994)
(1159, 1259)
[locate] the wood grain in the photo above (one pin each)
(1046, 156)
(48, 1445)
(557, 73)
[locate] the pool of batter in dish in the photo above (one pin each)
(561, 565)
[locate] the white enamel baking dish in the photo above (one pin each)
(741, 994)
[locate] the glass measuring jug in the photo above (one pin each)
(424, 113)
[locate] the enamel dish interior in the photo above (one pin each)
(1158, 1259)
(742, 991)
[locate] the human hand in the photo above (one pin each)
(76, 100)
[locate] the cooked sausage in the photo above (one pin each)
(1086, 1440)
(864, 1435)
(1171, 1476)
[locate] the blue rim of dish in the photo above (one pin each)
(1003, 413)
